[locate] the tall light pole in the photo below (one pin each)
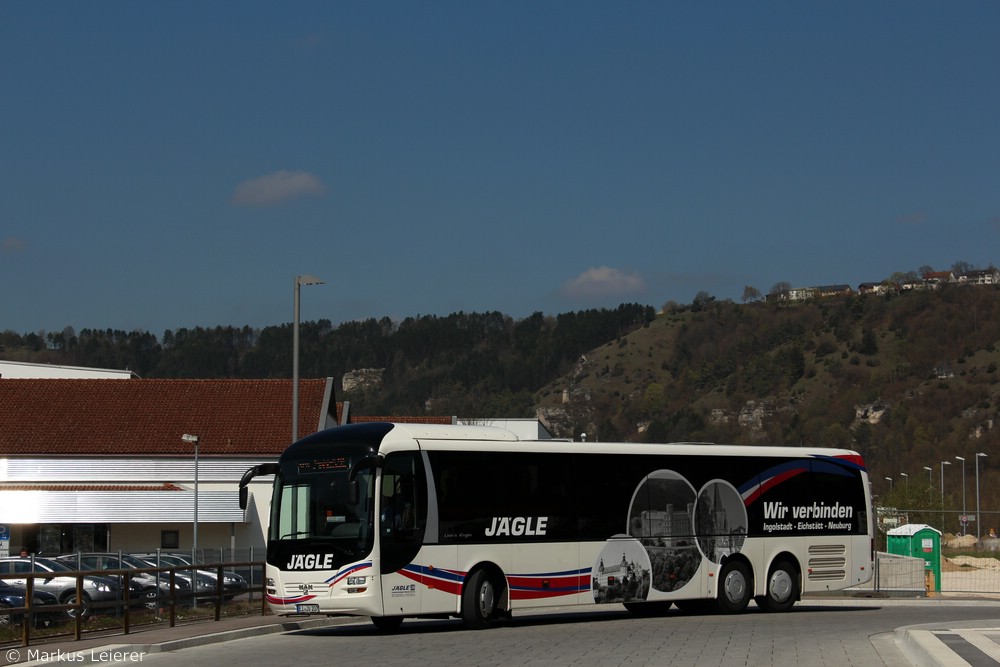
(299, 281)
(943, 464)
(906, 482)
(964, 514)
(929, 470)
(978, 529)
(193, 439)
(890, 484)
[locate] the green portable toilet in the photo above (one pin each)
(918, 540)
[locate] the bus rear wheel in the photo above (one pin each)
(782, 588)
(480, 598)
(735, 587)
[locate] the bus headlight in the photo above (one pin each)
(357, 584)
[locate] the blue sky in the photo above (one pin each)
(177, 164)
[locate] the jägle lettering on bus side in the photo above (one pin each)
(517, 526)
(310, 562)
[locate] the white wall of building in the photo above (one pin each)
(19, 370)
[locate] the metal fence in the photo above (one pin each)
(961, 576)
(969, 553)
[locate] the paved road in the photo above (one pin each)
(823, 632)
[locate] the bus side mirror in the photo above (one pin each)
(255, 471)
(353, 492)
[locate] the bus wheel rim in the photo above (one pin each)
(780, 586)
(486, 599)
(735, 586)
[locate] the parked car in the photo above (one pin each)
(153, 587)
(99, 593)
(13, 597)
(233, 583)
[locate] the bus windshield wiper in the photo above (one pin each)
(297, 533)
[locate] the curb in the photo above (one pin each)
(125, 653)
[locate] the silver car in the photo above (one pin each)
(99, 593)
(155, 586)
(233, 583)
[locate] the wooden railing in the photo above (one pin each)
(125, 606)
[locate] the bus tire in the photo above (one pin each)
(387, 623)
(782, 587)
(480, 597)
(735, 587)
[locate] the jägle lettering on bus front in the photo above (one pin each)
(310, 562)
(517, 526)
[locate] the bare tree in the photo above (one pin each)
(750, 294)
(781, 287)
(961, 268)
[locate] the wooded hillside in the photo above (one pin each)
(908, 379)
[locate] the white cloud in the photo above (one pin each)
(604, 281)
(277, 187)
(12, 244)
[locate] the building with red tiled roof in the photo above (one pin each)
(101, 464)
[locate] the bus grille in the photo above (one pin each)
(306, 588)
(827, 562)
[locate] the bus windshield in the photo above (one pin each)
(310, 508)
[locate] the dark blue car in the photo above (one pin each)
(14, 597)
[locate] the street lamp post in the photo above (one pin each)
(193, 439)
(930, 482)
(299, 281)
(906, 482)
(943, 464)
(890, 484)
(978, 529)
(964, 514)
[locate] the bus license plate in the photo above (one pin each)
(307, 608)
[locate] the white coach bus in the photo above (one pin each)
(397, 521)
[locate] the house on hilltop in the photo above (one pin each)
(875, 288)
(990, 276)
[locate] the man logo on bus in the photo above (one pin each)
(517, 526)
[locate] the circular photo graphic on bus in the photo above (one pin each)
(621, 572)
(720, 520)
(661, 518)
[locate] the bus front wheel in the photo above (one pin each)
(735, 587)
(480, 598)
